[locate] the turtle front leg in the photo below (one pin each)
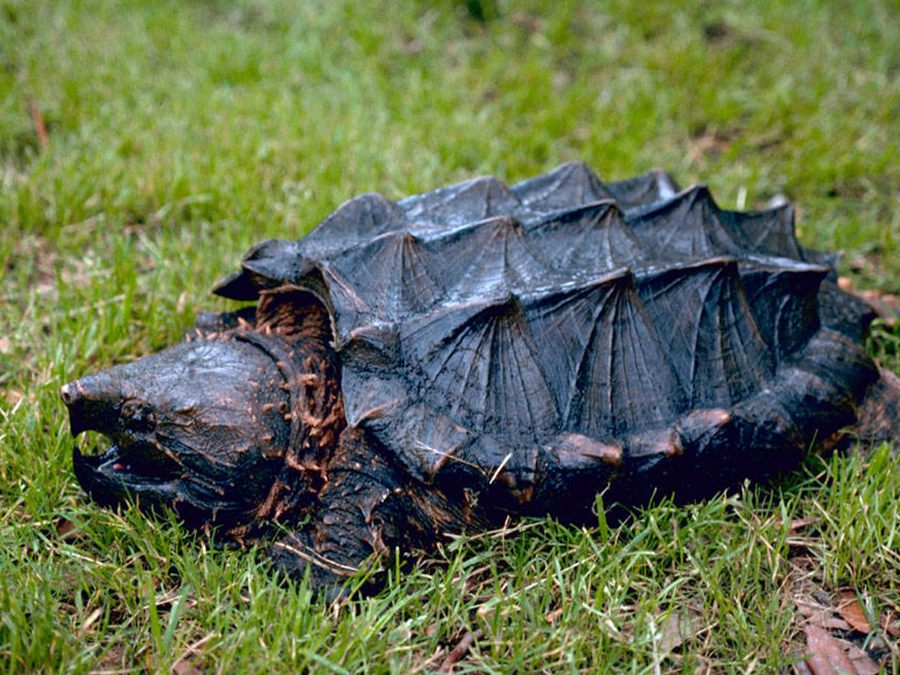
(367, 508)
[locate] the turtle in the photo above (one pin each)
(438, 364)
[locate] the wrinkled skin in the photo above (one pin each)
(188, 430)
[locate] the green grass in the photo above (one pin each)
(181, 132)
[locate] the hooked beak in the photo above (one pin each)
(94, 404)
(90, 404)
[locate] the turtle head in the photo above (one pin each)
(199, 427)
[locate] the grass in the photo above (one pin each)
(179, 133)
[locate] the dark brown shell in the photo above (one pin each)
(527, 334)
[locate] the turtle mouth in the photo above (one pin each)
(135, 461)
(134, 464)
(136, 468)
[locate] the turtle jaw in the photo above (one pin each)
(131, 465)
(109, 477)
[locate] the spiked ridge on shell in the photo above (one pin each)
(479, 317)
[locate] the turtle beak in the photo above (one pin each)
(92, 402)
(130, 464)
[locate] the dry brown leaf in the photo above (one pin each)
(819, 614)
(186, 667)
(801, 668)
(680, 627)
(848, 607)
(66, 529)
(826, 656)
(861, 661)
(825, 619)
(191, 662)
(890, 623)
(798, 523)
(553, 615)
(460, 650)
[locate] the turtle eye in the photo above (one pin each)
(138, 417)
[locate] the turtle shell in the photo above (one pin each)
(565, 329)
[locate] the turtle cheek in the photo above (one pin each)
(212, 457)
(182, 446)
(229, 500)
(213, 453)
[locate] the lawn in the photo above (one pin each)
(144, 146)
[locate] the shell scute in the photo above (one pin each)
(689, 224)
(382, 280)
(707, 328)
(488, 258)
(477, 362)
(356, 221)
(592, 238)
(474, 200)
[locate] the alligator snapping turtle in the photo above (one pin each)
(434, 364)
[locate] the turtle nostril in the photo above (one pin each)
(68, 394)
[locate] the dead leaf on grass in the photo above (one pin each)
(798, 661)
(825, 619)
(849, 608)
(829, 615)
(798, 524)
(826, 656)
(553, 615)
(191, 662)
(817, 607)
(460, 650)
(861, 661)
(66, 529)
(681, 627)
(186, 667)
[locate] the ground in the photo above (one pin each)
(145, 145)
